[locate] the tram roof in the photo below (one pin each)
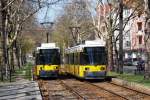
(79, 48)
(38, 48)
(47, 46)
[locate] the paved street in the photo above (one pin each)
(21, 90)
(129, 69)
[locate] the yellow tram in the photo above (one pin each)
(86, 61)
(47, 61)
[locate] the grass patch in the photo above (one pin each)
(131, 78)
(24, 72)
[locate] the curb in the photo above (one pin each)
(132, 85)
(39, 96)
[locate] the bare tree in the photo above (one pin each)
(121, 36)
(14, 14)
(107, 26)
(75, 16)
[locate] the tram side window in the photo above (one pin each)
(67, 59)
(76, 59)
(71, 58)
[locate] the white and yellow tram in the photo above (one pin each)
(47, 61)
(86, 61)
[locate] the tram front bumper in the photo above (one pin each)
(95, 75)
(44, 73)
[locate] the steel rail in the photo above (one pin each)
(60, 83)
(125, 97)
(108, 91)
(72, 90)
(129, 88)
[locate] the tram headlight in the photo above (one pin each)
(102, 68)
(40, 68)
(87, 69)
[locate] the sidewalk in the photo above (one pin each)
(20, 90)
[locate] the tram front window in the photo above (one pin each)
(49, 57)
(93, 56)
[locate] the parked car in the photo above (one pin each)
(128, 62)
(135, 63)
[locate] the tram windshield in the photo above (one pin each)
(49, 56)
(93, 56)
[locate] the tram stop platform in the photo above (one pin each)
(20, 90)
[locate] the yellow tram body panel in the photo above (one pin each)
(79, 70)
(46, 68)
(91, 68)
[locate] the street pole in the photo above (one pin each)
(47, 35)
(121, 37)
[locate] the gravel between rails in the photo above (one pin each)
(91, 92)
(71, 89)
(127, 93)
(55, 90)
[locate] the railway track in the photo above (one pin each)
(54, 90)
(88, 91)
(71, 89)
(126, 93)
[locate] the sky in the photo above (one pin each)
(53, 11)
(50, 13)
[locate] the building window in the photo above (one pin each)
(127, 34)
(139, 24)
(127, 43)
(140, 39)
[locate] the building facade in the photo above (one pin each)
(133, 34)
(137, 36)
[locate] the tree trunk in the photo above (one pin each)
(18, 56)
(121, 37)
(12, 59)
(110, 53)
(116, 57)
(147, 39)
(147, 66)
(4, 36)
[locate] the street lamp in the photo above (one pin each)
(46, 24)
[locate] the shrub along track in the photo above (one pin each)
(71, 89)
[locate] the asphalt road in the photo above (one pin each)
(129, 69)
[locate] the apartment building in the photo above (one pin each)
(133, 34)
